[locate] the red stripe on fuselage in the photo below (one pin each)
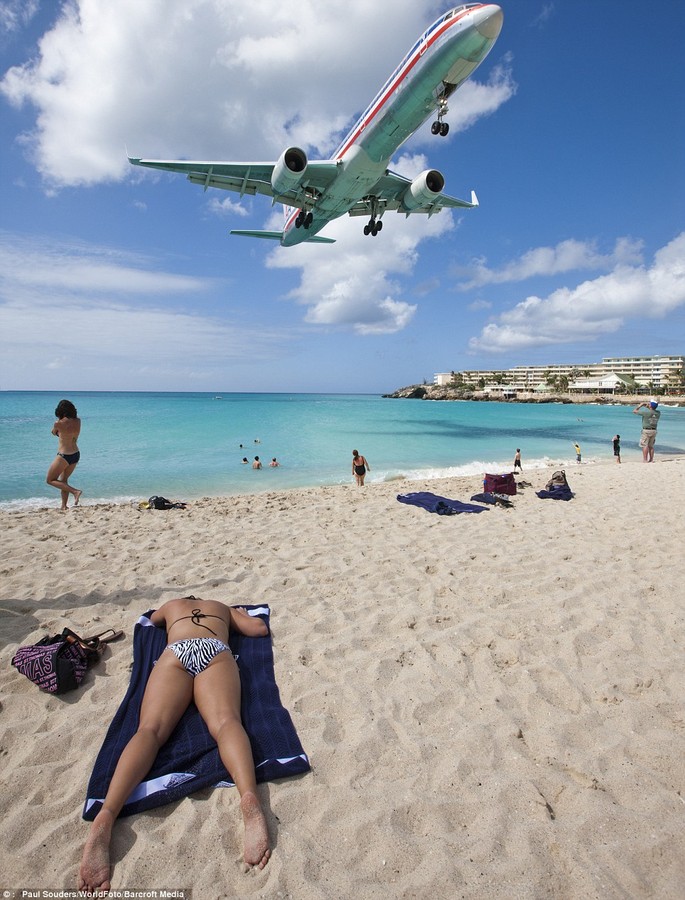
(401, 74)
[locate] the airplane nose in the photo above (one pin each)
(489, 21)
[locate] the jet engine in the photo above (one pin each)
(289, 170)
(423, 189)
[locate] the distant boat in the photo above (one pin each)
(218, 397)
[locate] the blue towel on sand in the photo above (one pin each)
(443, 506)
(556, 492)
(189, 761)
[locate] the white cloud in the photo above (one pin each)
(592, 308)
(354, 283)
(476, 99)
(16, 14)
(67, 308)
(567, 256)
(226, 207)
(49, 267)
(212, 79)
(480, 304)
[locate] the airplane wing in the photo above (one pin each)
(248, 177)
(389, 191)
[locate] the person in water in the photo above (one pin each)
(67, 429)
(196, 666)
(360, 467)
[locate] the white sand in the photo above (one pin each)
(492, 704)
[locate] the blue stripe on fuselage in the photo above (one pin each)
(425, 42)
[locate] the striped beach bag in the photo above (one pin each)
(59, 663)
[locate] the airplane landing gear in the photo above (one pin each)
(373, 227)
(304, 218)
(440, 127)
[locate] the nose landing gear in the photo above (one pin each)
(440, 127)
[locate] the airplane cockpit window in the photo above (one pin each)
(457, 10)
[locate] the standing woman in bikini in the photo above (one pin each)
(196, 666)
(360, 467)
(67, 428)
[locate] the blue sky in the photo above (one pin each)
(572, 133)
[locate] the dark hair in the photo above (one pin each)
(355, 453)
(66, 410)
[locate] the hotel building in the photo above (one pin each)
(639, 372)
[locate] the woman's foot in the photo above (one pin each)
(94, 872)
(257, 850)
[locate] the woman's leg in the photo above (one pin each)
(57, 477)
(217, 697)
(167, 695)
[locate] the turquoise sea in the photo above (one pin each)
(187, 445)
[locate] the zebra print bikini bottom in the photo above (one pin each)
(195, 654)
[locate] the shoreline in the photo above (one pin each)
(427, 477)
(445, 392)
(509, 681)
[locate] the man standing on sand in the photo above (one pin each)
(517, 460)
(650, 419)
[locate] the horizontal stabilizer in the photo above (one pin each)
(269, 235)
(277, 236)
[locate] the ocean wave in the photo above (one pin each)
(475, 467)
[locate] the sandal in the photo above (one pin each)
(97, 641)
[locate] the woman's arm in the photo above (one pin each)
(158, 617)
(251, 626)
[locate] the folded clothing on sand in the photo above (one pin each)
(443, 506)
(493, 499)
(190, 759)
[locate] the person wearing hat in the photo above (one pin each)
(650, 419)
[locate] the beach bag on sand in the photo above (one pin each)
(58, 664)
(161, 503)
(499, 484)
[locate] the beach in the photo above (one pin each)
(492, 703)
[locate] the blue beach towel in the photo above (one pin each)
(190, 761)
(556, 492)
(443, 506)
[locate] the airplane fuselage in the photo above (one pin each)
(439, 62)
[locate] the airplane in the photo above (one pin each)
(356, 180)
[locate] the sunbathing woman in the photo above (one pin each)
(197, 665)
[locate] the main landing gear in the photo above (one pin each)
(304, 218)
(373, 227)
